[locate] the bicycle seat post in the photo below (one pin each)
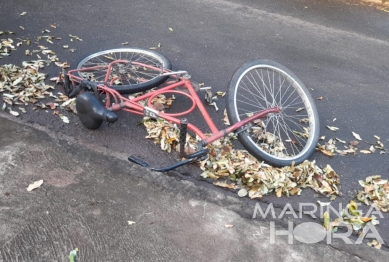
(182, 139)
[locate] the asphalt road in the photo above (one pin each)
(338, 49)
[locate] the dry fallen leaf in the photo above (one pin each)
(242, 193)
(356, 136)
(324, 150)
(220, 93)
(14, 113)
(224, 184)
(365, 151)
(64, 118)
(374, 244)
(340, 140)
(333, 128)
(372, 149)
(225, 119)
(74, 37)
(52, 106)
(35, 185)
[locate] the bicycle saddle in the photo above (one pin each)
(91, 112)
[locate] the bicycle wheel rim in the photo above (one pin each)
(280, 122)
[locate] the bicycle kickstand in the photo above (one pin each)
(189, 159)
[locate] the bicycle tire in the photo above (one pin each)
(129, 78)
(281, 138)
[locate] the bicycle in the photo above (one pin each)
(269, 108)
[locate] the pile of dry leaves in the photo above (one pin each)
(376, 191)
(350, 216)
(237, 169)
(353, 219)
(25, 85)
(330, 147)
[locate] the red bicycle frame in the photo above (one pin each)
(133, 105)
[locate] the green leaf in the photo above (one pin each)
(327, 220)
(73, 255)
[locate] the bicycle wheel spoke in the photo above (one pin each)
(265, 86)
(256, 88)
(289, 139)
(290, 131)
(269, 87)
(252, 102)
(294, 122)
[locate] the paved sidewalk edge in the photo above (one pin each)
(203, 191)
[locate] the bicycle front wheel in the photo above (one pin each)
(130, 77)
(280, 138)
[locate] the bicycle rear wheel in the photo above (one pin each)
(280, 138)
(129, 77)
